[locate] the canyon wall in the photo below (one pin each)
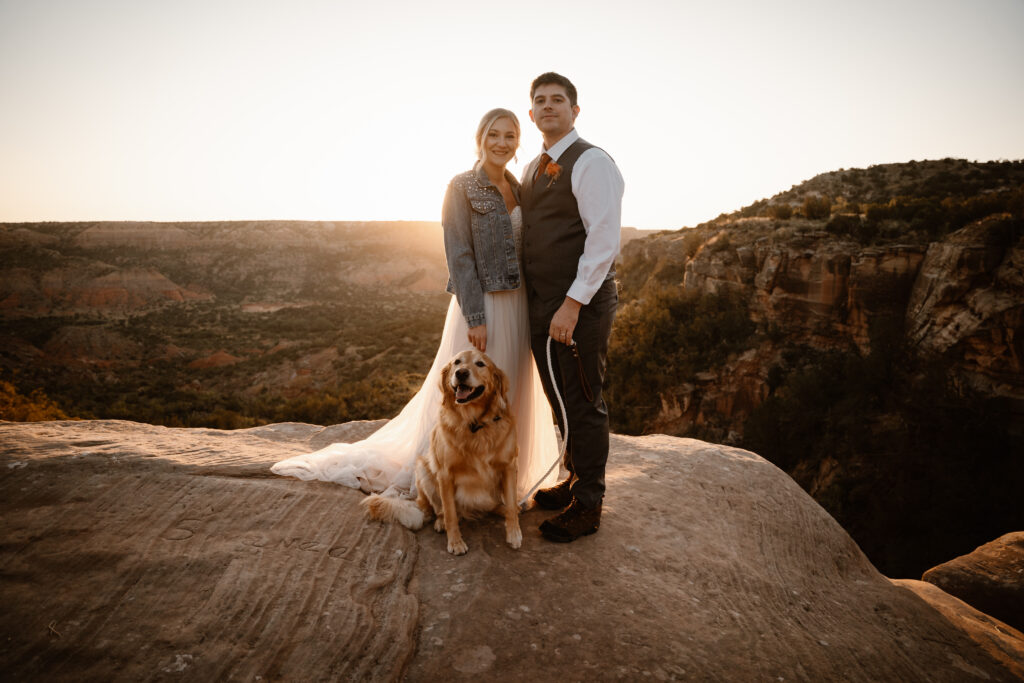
(960, 298)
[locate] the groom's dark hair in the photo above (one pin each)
(557, 79)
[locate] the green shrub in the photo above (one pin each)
(780, 212)
(36, 407)
(723, 243)
(877, 212)
(936, 217)
(817, 207)
(692, 242)
(866, 231)
(922, 470)
(661, 341)
(843, 224)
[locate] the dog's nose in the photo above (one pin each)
(462, 374)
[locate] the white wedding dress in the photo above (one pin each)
(385, 461)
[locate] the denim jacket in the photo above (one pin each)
(478, 241)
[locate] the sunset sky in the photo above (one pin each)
(222, 110)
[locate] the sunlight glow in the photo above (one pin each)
(330, 111)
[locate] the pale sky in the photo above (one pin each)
(297, 109)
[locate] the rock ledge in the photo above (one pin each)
(135, 552)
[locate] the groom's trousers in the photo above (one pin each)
(587, 450)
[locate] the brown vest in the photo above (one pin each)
(553, 233)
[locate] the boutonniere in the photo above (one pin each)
(552, 171)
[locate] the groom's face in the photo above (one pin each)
(552, 112)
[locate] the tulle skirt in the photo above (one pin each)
(385, 461)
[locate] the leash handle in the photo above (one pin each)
(565, 422)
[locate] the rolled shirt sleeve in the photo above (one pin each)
(598, 188)
(458, 251)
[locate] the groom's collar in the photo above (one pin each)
(562, 145)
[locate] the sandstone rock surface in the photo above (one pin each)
(968, 301)
(991, 578)
(136, 552)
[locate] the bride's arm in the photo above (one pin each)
(458, 251)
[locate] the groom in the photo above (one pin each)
(572, 207)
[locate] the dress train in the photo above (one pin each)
(385, 461)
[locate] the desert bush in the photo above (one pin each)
(843, 224)
(633, 272)
(866, 231)
(936, 216)
(669, 273)
(692, 242)
(811, 408)
(780, 212)
(747, 211)
(817, 207)
(877, 212)
(723, 243)
(900, 436)
(662, 341)
(36, 407)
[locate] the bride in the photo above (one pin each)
(482, 224)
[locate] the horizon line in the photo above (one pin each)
(270, 220)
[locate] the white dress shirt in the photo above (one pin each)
(598, 187)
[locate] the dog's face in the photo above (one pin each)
(471, 375)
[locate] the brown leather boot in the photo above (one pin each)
(555, 497)
(576, 521)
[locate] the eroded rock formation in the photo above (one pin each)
(961, 299)
(968, 302)
(991, 578)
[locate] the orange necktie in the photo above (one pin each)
(545, 159)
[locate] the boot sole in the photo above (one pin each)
(551, 505)
(557, 538)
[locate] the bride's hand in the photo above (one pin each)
(478, 337)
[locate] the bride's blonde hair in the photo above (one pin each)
(488, 121)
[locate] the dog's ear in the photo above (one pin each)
(446, 372)
(501, 384)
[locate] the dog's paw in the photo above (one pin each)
(439, 525)
(514, 537)
(457, 547)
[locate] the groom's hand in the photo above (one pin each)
(564, 322)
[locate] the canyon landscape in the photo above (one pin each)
(221, 324)
(861, 333)
(864, 331)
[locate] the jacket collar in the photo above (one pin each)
(483, 181)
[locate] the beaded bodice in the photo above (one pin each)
(517, 229)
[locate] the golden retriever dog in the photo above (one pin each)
(471, 467)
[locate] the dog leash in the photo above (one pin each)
(565, 420)
(587, 391)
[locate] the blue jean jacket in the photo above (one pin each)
(478, 241)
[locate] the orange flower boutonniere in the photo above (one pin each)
(552, 171)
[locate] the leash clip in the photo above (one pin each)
(588, 393)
